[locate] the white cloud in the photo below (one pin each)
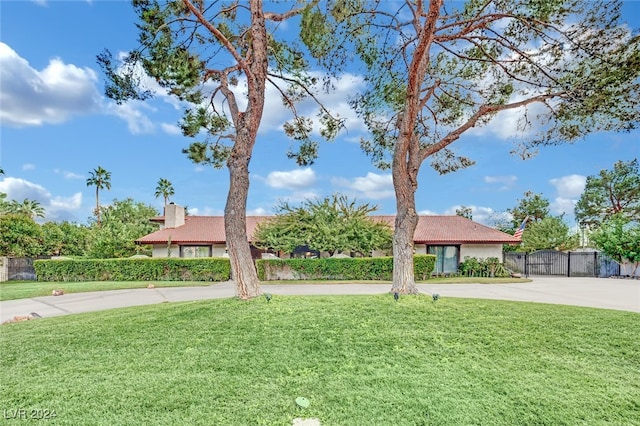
(60, 206)
(509, 123)
(274, 116)
(505, 182)
(19, 189)
(53, 95)
(71, 175)
(294, 179)
(569, 186)
(68, 175)
(300, 197)
(57, 208)
(28, 166)
(205, 211)
(569, 189)
(259, 211)
(373, 186)
(171, 129)
(427, 213)
(131, 112)
(484, 215)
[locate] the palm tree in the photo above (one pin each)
(3, 204)
(29, 208)
(164, 188)
(101, 179)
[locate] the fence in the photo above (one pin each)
(18, 268)
(567, 264)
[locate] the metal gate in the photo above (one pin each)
(566, 264)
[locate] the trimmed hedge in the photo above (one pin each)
(364, 268)
(158, 269)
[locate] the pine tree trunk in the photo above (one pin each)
(404, 171)
(405, 227)
(243, 271)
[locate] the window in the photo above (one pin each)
(446, 258)
(195, 251)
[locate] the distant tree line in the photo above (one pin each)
(122, 222)
(110, 233)
(608, 214)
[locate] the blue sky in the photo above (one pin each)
(56, 126)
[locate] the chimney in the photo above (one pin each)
(173, 215)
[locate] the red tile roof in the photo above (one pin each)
(446, 230)
(454, 230)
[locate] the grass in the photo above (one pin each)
(432, 280)
(12, 290)
(360, 360)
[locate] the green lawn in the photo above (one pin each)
(360, 360)
(11, 290)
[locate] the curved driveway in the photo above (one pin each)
(606, 293)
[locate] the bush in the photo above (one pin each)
(158, 269)
(489, 267)
(365, 268)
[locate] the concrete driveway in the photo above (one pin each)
(606, 293)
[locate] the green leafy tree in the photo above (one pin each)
(435, 70)
(76, 239)
(609, 193)
(619, 238)
(164, 190)
(123, 222)
(200, 52)
(4, 204)
(4, 208)
(534, 206)
(52, 239)
(101, 179)
(20, 236)
(65, 239)
(549, 233)
(465, 211)
(332, 225)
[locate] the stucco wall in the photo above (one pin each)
(160, 250)
(218, 250)
(4, 269)
(480, 251)
(420, 248)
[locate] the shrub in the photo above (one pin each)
(489, 267)
(159, 269)
(364, 268)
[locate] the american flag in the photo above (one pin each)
(520, 230)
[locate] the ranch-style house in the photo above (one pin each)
(450, 238)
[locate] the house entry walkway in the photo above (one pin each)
(606, 293)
